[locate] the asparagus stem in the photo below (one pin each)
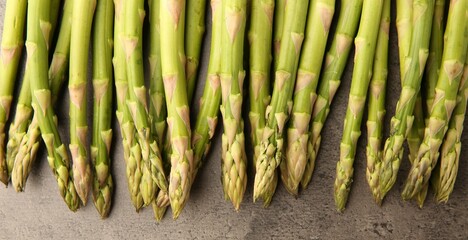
(318, 26)
(376, 104)
(55, 7)
(207, 117)
(415, 137)
(435, 55)
(432, 71)
(260, 38)
(38, 34)
(402, 121)
(157, 104)
(152, 169)
(194, 32)
(335, 63)
(103, 186)
(234, 164)
(278, 28)
(19, 169)
(10, 54)
(365, 44)
(445, 99)
(24, 134)
(82, 20)
(172, 17)
(443, 179)
(132, 151)
(277, 113)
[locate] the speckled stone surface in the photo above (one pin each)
(40, 213)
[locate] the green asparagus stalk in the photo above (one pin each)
(23, 107)
(277, 113)
(376, 103)
(103, 186)
(157, 104)
(435, 56)
(10, 54)
(445, 174)
(335, 63)
(83, 12)
(278, 26)
(55, 7)
(194, 32)
(445, 100)
(19, 169)
(24, 134)
(207, 117)
(234, 163)
(403, 120)
(365, 44)
(132, 151)
(152, 169)
(415, 138)
(172, 17)
(432, 72)
(318, 26)
(38, 34)
(260, 38)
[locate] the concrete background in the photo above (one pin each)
(40, 212)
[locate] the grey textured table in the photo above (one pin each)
(41, 213)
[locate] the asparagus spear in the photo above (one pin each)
(260, 38)
(278, 27)
(432, 71)
(365, 44)
(24, 134)
(207, 117)
(376, 104)
(23, 107)
(54, 15)
(445, 99)
(435, 56)
(82, 20)
(10, 54)
(103, 186)
(445, 175)
(403, 119)
(234, 164)
(172, 17)
(157, 104)
(152, 168)
(277, 113)
(318, 25)
(416, 132)
(194, 32)
(335, 63)
(132, 151)
(37, 35)
(415, 137)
